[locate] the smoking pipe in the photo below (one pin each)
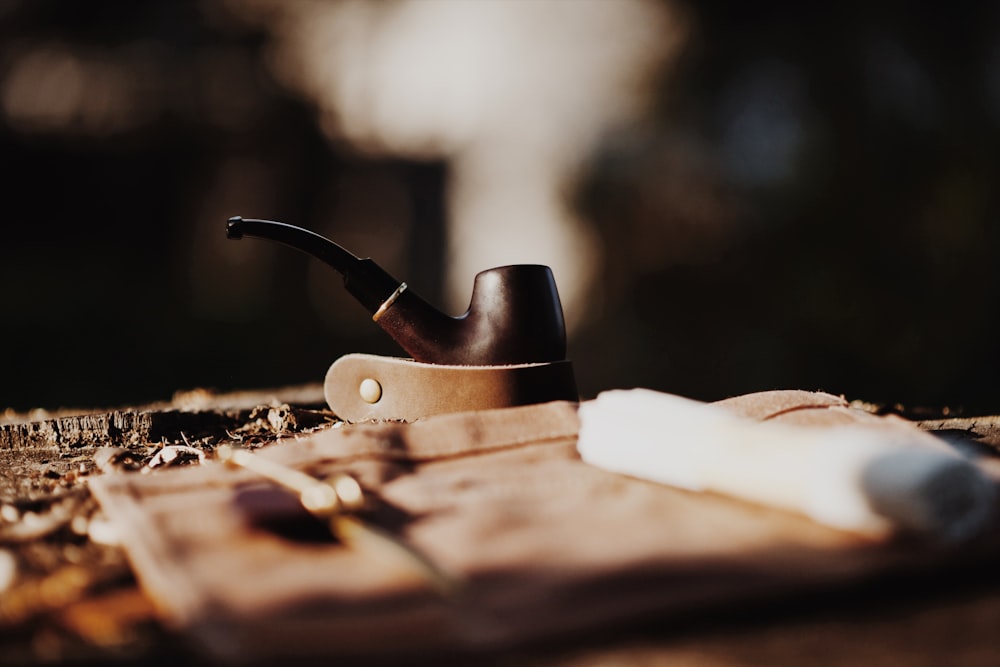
(515, 316)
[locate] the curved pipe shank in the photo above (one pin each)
(514, 317)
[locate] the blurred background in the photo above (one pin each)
(733, 197)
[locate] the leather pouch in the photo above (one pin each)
(546, 544)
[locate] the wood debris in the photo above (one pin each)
(63, 579)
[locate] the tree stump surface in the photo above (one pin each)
(67, 593)
(66, 589)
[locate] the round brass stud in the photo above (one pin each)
(370, 390)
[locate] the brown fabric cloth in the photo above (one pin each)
(547, 545)
(814, 408)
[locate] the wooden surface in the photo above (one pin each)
(74, 599)
(71, 595)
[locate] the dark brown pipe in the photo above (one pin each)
(515, 316)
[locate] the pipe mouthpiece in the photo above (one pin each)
(234, 228)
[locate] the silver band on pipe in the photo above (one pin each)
(388, 302)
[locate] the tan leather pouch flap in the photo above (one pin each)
(365, 387)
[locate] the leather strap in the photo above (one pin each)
(365, 387)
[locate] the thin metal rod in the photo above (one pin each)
(366, 537)
(333, 501)
(316, 496)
